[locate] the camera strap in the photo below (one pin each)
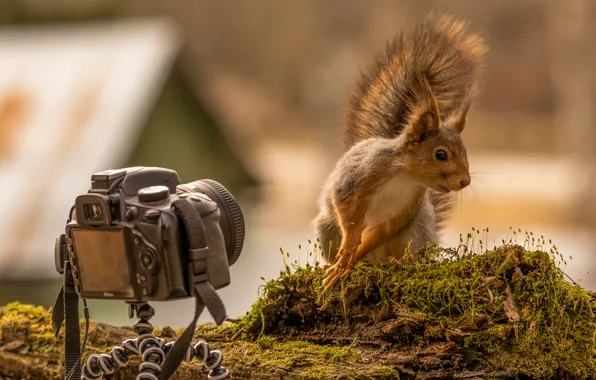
(66, 309)
(205, 294)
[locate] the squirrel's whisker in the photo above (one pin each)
(475, 177)
(475, 195)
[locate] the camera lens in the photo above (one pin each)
(231, 220)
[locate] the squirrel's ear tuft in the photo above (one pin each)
(424, 111)
(461, 121)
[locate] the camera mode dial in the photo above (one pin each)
(153, 193)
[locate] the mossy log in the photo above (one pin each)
(505, 313)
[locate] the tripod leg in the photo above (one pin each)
(98, 365)
(211, 360)
(147, 345)
(153, 351)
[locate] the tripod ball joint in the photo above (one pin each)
(211, 359)
(150, 347)
(201, 351)
(98, 365)
(218, 373)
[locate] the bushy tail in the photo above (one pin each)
(440, 50)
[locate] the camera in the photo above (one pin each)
(128, 238)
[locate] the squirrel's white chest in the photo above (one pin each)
(389, 200)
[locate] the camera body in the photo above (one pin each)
(127, 242)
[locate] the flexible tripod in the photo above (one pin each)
(153, 351)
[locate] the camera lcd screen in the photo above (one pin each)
(102, 261)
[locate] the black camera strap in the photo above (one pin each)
(205, 294)
(67, 308)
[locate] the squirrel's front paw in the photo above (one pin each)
(334, 273)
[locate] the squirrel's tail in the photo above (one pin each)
(440, 50)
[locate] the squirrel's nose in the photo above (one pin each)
(465, 182)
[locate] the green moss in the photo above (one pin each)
(266, 342)
(31, 324)
(511, 306)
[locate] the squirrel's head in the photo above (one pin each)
(436, 155)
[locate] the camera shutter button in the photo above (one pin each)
(153, 193)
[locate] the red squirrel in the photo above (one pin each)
(404, 156)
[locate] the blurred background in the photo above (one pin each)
(251, 94)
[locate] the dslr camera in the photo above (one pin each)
(128, 238)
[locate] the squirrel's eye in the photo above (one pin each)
(441, 155)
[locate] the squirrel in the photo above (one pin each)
(404, 157)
